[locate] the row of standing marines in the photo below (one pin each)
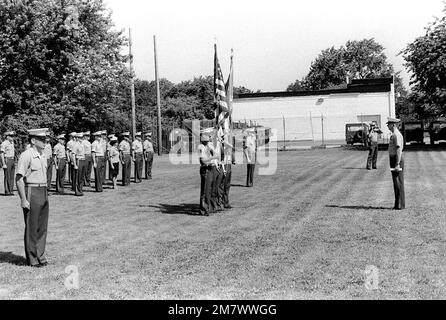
(34, 171)
(80, 157)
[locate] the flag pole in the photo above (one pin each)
(132, 86)
(158, 100)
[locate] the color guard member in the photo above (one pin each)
(204, 155)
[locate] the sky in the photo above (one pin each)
(274, 41)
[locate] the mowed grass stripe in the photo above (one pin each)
(272, 229)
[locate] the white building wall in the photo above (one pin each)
(303, 114)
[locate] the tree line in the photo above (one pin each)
(62, 67)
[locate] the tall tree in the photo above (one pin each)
(357, 60)
(426, 59)
(61, 66)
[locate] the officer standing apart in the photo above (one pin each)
(48, 152)
(249, 149)
(137, 157)
(78, 159)
(148, 154)
(396, 144)
(60, 162)
(88, 158)
(97, 153)
(7, 154)
(32, 187)
(126, 159)
(373, 149)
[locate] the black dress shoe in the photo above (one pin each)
(36, 266)
(228, 207)
(43, 264)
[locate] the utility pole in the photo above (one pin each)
(158, 100)
(322, 120)
(132, 87)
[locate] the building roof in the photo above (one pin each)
(356, 86)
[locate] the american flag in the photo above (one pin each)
(221, 105)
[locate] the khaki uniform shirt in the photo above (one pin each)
(124, 147)
(97, 148)
(7, 148)
(373, 137)
(79, 151)
(204, 153)
(32, 166)
(114, 154)
(396, 140)
(87, 147)
(250, 149)
(148, 146)
(48, 151)
(137, 146)
(59, 151)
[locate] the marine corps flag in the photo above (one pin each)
(221, 105)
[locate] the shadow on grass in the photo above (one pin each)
(354, 168)
(184, 208)
(9, 257)
(238, 185)
(358, 207)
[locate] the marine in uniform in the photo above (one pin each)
(217, 190)
(114, 161)
(126, 158)
(148, 154)
(33, 191)
(70, 164)
(104, 146)
(48, 152)
(396, 145)
(60, 162)
(206, 175)
(7, 157)
(88, 158)
(228, 161)
(249, 149)
(373, 149)
(98, 155)
(107, 151)
(78, 158)
(137, 157)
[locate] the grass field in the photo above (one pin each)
(307, 232)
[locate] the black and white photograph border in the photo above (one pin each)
(232, 150)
